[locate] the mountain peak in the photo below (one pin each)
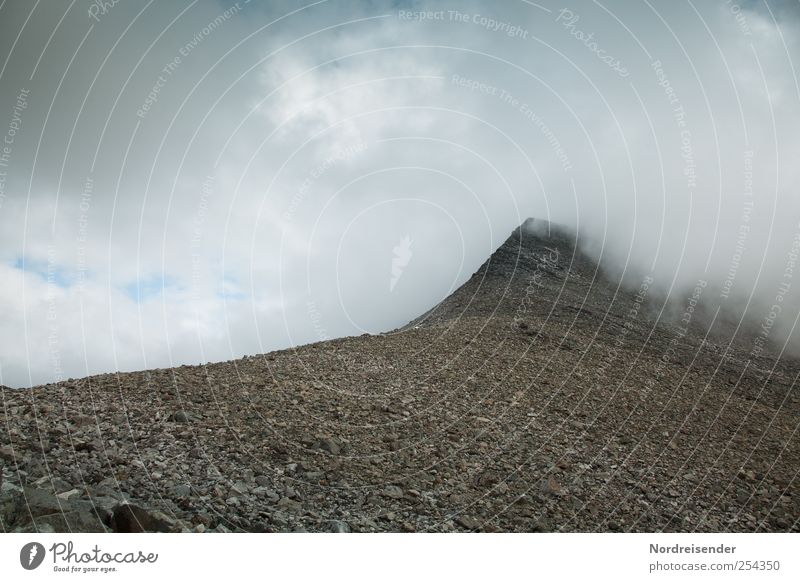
(538, 256)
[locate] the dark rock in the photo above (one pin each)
(467, 522)
(179, 416)
(541, 525)
(130, 518)
(329, 445)
(87, 446)
(551, 486)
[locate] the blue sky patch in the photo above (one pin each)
(230, 289)
(147, 288)
(47, 272)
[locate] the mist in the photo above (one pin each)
(197, 181)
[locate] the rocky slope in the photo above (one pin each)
(538, 397)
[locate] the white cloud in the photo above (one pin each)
(323, 168)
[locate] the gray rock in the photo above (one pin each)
(32, 510)
(338, 526)
(69, 494)
(7, 487)
(270, 494)
(181, 491)
(290, 505)
(393, 492)
(38, 502)
(83, 521)
(240, 488)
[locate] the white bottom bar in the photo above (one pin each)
(403, 556)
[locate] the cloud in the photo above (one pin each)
(217, 179)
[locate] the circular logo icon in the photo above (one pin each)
(31, 555)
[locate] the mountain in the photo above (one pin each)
(542, 395)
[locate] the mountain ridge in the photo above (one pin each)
(539, 396)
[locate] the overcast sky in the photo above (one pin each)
(186, 182)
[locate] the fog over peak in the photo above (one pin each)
(196, 181)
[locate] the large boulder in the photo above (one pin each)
(30, 510)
